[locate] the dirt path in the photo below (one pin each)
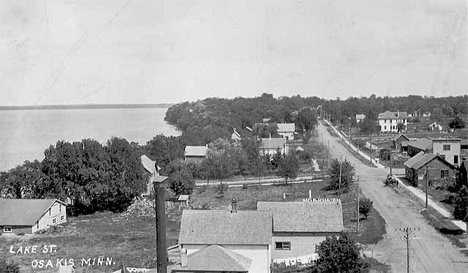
(431, 253)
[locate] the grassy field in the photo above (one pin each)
(131, 239)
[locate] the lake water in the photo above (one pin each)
(25, 134)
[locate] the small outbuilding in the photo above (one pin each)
(397, 140)
(29, 216)
(195, 154)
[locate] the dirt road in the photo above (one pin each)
(431, 253)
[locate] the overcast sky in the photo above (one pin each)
(149, 51)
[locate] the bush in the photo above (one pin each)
(365, 206)
(6, 267)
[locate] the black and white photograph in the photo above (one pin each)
(240, 136)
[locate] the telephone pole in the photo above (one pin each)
(358, 216)
(339, 179)
(408, 236)
(427, 182)
(161, 250)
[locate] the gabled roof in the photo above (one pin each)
(393, 115)
(447, 140)
(396, 137)
(421, 159)
(223, 227)
(422, 144)
(215, 258)
(24, 212)
(316, 216)
(272, 143)
(286, 127)
(196, 150)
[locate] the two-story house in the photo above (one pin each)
(299, 227)
(195, 154)
(388, 121)
(448, 149)
(270, 146)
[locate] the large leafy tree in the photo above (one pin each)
(461, 205)
(307, 119)
(457, 123)
(346, 170)
(180, 179)
(288, 167)
(339, 254)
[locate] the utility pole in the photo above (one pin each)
(408, 235)
(391, 163)
(357, 203)
(328, 152)
(427, 182)
(339, 180)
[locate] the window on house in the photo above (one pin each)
(60, 207)
(455, 159)
(62, 218)
(50, 212)
(54, 221)
(283, 245)
(446, 147)
(444, 173)
(37, 225)
(7, 229)
(385, 127)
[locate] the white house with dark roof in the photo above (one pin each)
(245, 233)
(299, 227)
(271, 145)
(388, 121)
(286, 130)
(30, 215)
(195, 153)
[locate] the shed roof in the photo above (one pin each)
(273, 143)
(286, 127)
(314, 216)
(224, 227)
(421, 159)
(24, 212)
(393, 115)
(215, 258)
(196, 150)
(422, 144)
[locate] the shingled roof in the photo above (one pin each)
(273, 143)
(393, 115)
(196, 150)
(316, 216)
(223, 227)
(24, 212)
(286, 127)
(422, 144)
(421, 159)
(215, 258)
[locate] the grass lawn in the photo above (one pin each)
(131, 240)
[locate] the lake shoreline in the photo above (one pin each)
(85, 106)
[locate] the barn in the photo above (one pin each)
(28, 216)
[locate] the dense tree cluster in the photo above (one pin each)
(93, 176)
